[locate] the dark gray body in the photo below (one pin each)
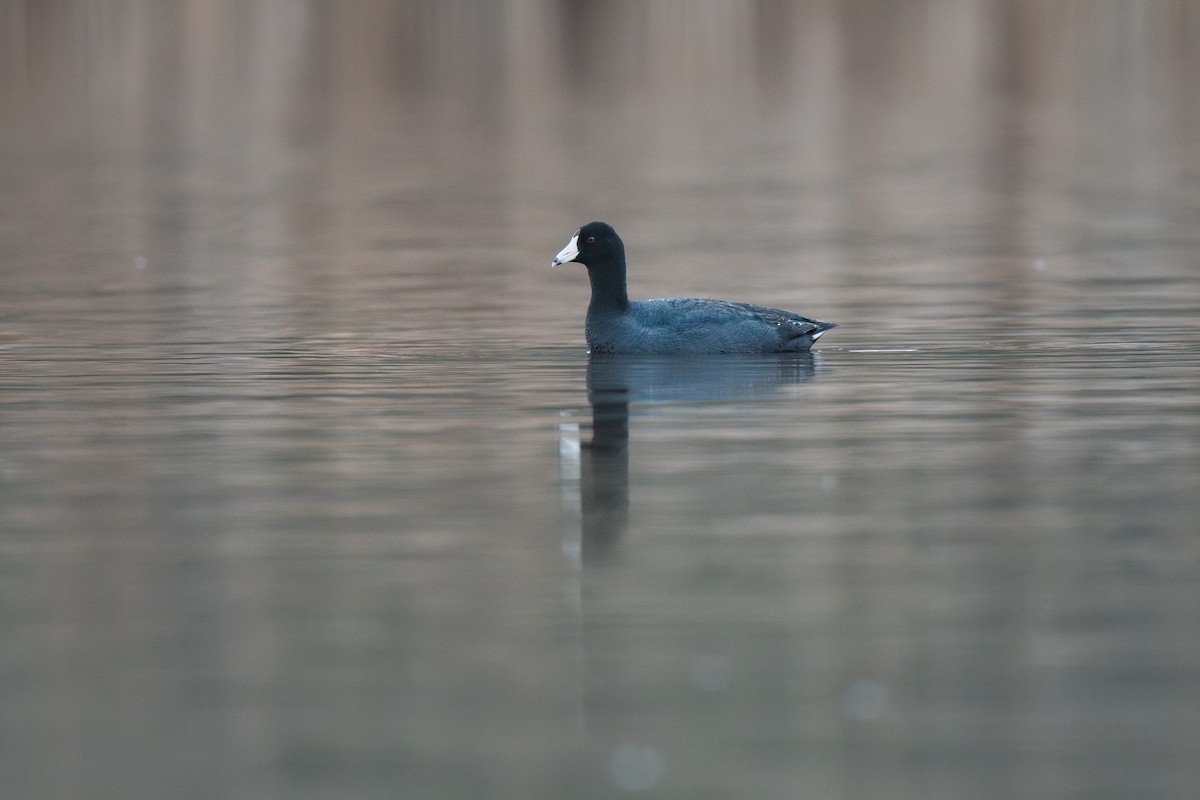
(688, 325)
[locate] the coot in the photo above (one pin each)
(616, 324)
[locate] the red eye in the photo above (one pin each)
(591, 240)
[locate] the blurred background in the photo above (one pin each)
(293, 501)
(284, 146)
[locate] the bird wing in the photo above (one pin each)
(788, 324)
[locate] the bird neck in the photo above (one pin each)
(608, 285)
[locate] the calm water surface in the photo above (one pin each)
(309, 488)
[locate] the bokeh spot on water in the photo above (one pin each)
(636, 768)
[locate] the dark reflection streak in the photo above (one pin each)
(615, 381)
(596, 41)
(775, 56)
(604, 480)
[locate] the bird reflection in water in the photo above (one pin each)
(596, 472)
